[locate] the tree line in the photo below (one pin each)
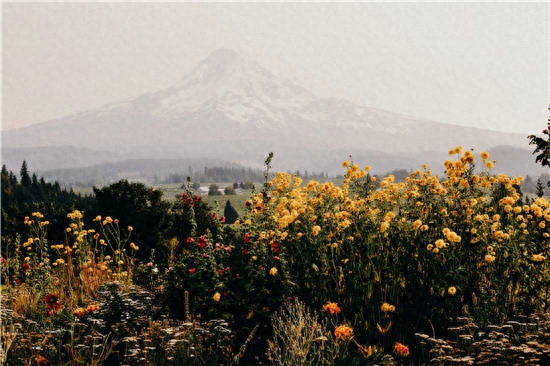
(154, 220)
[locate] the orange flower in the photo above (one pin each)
(343, 332)
(79, 312)
(387, 308)
(401, 349)
(92, 308)
(332, 308)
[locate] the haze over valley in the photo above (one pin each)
(231, 110)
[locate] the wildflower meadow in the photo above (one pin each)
(363, 271)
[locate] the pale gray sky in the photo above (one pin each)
(476, 64)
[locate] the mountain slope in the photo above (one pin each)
(231, 108)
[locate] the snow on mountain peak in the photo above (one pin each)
(228, 81)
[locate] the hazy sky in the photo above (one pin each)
(478, 64)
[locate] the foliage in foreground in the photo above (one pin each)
(371, 266)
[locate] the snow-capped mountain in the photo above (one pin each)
(232, 108)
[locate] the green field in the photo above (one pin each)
(171, 192)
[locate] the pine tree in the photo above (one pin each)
(231, 215)
(24, 174)
(540, 188)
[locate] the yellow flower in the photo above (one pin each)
(387, 308)
(343, 332)
(217, 296)
(484, 155)
(440, 243)
(273, 271)
(489, 258)
(315, 230)
(451, 290)
(130, 228)
(417, 224)
(537, 257)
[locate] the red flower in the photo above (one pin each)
(213, 215)
(26, 266)
(41, 360)
(246, 252)
(201, 242)
(246, 238)
(275, 247)
(192, 270)
(18, 281)
(219, 271)
(3, 260)
(222, 219)
(52, 302)
(248, 203)
(189, 240)
(227, 269)
(276, 258)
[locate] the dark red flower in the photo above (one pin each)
(41, 360)
(248, 203)
(18, 281)
(201, 242)
(246, 252)
(275, 247)
(192, 270)
(52, 302)
(26, 266)
(246, 238)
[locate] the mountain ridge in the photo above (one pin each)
(232, 108)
